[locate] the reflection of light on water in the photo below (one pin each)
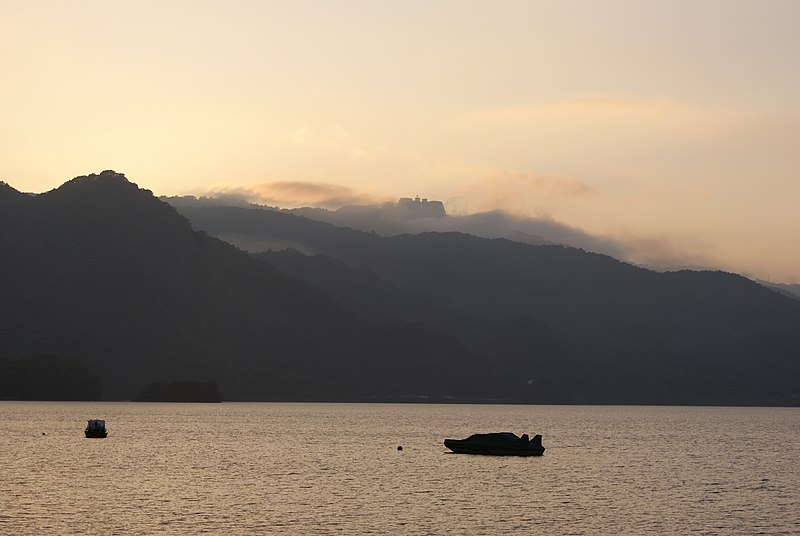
(323, 468)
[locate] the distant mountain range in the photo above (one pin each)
(102, 271)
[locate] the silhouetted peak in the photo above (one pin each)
(106, 178)
(9, 194)
(106, 186)
(110, 195)
(7, 189)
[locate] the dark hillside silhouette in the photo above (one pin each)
(102, 270)
(48, 377)
(524, 351)
(631, 333)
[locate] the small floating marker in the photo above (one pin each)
(399, 448)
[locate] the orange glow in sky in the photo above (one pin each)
(671, 126)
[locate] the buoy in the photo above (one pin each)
(400, 448)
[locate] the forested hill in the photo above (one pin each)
(628, 334)
(100, 270)
(101, 273)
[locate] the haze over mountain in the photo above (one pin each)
(102, 271)
(668, 129)
(391, 219)
(666, 334)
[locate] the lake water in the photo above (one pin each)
(242, 468)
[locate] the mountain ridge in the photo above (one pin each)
(606, 312)
(100, 270)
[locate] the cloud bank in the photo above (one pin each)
(345, 206)
(291, 194)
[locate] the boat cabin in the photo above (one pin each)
(96, 428)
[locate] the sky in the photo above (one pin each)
(672, 127)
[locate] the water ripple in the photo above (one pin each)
(334, 469)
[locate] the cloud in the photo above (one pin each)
(612, 105)
(663, 253)
(531, 230)
(509, 189)
(658, 252)
(512, 180)
(588, 107)
(289, 194)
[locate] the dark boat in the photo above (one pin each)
(96, 428)
(497, 444)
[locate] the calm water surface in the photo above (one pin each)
(236, 468)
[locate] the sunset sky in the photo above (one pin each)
(671, 126)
